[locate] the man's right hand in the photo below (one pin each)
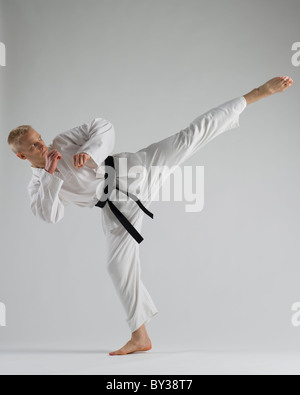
(51, 161)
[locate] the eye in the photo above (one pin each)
(35, 143)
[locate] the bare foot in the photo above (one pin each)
(140, 341)
(275, 85)
(132, 347)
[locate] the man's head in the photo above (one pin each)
(28, 144)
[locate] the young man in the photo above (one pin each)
(73, 169)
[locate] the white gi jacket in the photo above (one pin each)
(83, 187)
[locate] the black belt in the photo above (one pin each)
(109, 161)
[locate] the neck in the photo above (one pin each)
(39, 165)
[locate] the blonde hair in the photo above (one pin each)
(15, 135)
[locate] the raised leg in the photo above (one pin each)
(163, 157)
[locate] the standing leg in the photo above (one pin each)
(124, 268)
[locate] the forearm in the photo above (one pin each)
(44, 196)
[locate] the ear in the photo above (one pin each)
(21, 156)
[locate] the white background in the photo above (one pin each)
(223, 278)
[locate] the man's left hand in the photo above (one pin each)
(80, 160)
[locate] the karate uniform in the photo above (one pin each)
(84, 187)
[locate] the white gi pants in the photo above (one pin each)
(162, 158)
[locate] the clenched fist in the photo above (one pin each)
(51, 161)
(80, 159)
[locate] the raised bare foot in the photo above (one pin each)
(132, 347)
(275, 85)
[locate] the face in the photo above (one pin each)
(32, 147)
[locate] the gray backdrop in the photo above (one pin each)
(223, 278)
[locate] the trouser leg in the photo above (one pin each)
(163, 157)
(124, 268)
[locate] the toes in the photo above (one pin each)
(117, 353)
(289, 81)
(283, 80)
(286, 81)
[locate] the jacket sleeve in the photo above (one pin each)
(45, 203)
(95, 138)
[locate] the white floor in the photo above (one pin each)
(195, 362)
